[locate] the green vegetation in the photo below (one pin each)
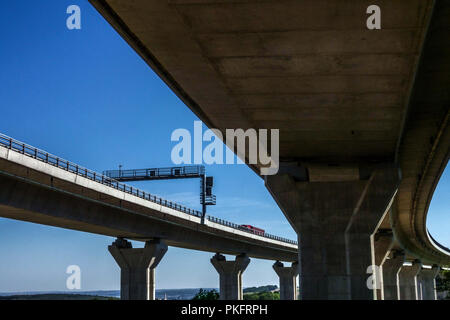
(206, 295)
(443, 282)
(261, 293)
(262, 296)
(253, 293)
(260, 289)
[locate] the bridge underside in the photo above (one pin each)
(336, 90)
(354, 107)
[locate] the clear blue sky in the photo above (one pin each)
(86, 96)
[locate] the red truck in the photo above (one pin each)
(253, 229)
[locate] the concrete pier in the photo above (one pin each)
(288, 280)
(373, 204)
(407, 281)
(230, 273)
(137, 267)
(335, 221)
(390, 269)
(427, 280)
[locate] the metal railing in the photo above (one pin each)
(51, 159)
(239, 227)
(156, 173)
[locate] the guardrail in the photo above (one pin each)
(239, 227)
(51, 159)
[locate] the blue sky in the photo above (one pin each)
(86, 96)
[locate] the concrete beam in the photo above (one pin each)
(288, 280)
(390, 268)
(230, 273)
(427, 282)
(407, 281)
(423, 149)
(137, 268)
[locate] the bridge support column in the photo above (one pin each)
(335, 221)
(390, 268)
(427, 280)
(407, 281)
(383, 243)
(230, 273)
(137, 268)
(288, 277)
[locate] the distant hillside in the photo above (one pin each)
(161, 294)
(262, 293)
(268, 288)
(56, 296)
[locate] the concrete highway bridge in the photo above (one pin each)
(39, 187)
(363, 118)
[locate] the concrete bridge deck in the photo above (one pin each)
(38, 187)
(362, 114)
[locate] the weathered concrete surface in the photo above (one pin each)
(31, 190)
(310, 68)
(335, 222)
(372, 206)
(137, 268)
(288, 280)
(230, 275)
(407, 281)
(427, 280)
(390, 269)
(319, 216)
